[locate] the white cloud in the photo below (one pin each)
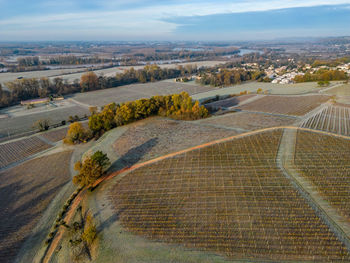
(141, 20)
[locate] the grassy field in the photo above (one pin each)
(25, 192)
(325, 161)
(136, 91)
(229, 198)
(334, 118)
(248, 121)
(286, 105)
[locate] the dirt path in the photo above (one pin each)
(286, 147)
(52, 247)
(285, 161)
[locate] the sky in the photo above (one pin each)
(123, 20)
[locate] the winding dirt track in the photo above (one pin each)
(52, 247)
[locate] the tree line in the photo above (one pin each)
(322, 75)
(177, 106)
(226, 77)
(25, 89)
(33, 61)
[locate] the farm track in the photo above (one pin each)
(57, 238)
(285, 161)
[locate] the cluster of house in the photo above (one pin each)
(281, 76)
(287, 78)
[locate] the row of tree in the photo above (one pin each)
(33, 61)
(228, 77)
(177, 106)
(322, 75)
(24, 89)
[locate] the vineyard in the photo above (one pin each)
(25, 192)
(18, 150)
(288, 105)
(55, 135)
(335, 119)
(325, 161)
(230, 102)
(157, 136)
(228, 198)
(249, 121)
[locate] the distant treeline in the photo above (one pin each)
(228, 77)
(25, 89)
(184, 54)
(331, 63)
(322, 75)
(60, 60)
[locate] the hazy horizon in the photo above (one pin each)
(139, 20)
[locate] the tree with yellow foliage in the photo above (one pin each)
(76, 134)
(89, 81)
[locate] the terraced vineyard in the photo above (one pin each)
(228, 198)
(25, 192)
(325, 161)
(288, 105)
(335, 119)
(18, 150)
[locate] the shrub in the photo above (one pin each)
(76, 134)
(42, 125)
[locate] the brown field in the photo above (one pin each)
(249, 121)
(25, 192)
(325, 161)
(229, 198)
(335, 119)
(55, 135)
(157, 136)
(18, 150)
(288, 105)
(230, 102)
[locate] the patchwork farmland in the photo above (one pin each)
(229, 198)
(178, 191)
